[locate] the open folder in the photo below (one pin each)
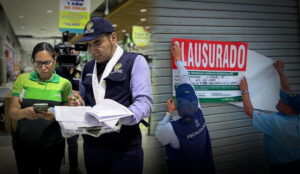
(82, 119)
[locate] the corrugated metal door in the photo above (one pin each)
(270, 27)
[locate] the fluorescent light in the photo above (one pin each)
(49, 11)
(143, 10)
(114, 25)
(123, 30)
(143, 19)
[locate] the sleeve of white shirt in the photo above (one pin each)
(165, 133)
(184, 76)
(183, 73)
(141, 91)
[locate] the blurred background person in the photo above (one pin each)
(73, 75)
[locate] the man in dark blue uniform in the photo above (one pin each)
(125, 78)
(185, 137)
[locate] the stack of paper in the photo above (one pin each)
(94, 121)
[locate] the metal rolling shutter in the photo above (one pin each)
(270, 27)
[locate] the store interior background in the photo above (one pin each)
(23, 24)
(32, 21)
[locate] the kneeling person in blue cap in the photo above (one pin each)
(185, 137)
(282, 129)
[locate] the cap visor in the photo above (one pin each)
(180, 90)
(89, 38)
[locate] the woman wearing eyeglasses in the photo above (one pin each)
(37, 141)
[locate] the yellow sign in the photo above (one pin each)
(73, 15)
(140, 36)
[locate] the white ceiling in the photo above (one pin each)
(36, 21)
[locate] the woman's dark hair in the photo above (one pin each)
(42, 46)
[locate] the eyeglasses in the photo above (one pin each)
(40, 63)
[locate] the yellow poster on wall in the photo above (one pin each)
(140, 36)
(73, 15)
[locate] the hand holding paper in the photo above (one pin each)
(176, 51)
(80, 119)
(262, 81)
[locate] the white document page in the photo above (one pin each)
(107, 110)
(71, 113)
(263, 82)
(111, 123)
(69, 125)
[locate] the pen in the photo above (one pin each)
(74, 97)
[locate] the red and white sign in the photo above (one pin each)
(213, 55)
(215, 68)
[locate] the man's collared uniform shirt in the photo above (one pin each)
(281, 136)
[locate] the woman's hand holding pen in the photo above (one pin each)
(75, 99)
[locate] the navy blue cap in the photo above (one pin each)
(186, 100)
(291, 99)
(95, 28)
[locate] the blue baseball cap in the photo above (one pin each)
(291, 99)
(186, 100)
(95, 28)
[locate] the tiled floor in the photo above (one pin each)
(153, 156)
(7, 160)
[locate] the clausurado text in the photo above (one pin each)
(213, 55)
